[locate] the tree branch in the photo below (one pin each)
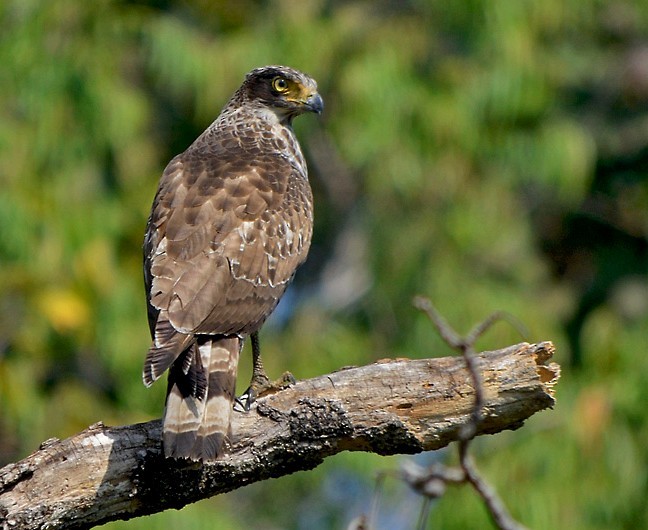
(389, 407)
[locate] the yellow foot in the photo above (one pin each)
(261, 386)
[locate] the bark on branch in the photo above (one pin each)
(389, 407)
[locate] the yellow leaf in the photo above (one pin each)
(65, 310)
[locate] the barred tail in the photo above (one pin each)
(200, 399)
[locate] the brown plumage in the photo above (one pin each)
(231, 222)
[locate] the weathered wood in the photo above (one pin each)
(389, 407)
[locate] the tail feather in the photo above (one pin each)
(168, 345)
(197, 423)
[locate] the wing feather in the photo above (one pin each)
(220, 231)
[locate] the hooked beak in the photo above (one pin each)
(315, 103)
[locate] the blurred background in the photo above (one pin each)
(492, 155)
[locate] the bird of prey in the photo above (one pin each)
(231, 222)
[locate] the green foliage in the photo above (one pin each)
(479, 141)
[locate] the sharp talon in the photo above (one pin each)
(242, 404)
(245, 400)
(287, 379)
(260, 387)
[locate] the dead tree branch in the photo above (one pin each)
(389, 407)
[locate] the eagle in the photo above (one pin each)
(231, 221)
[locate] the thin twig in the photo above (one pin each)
(465, 345)
(445, 331)
(501, 517)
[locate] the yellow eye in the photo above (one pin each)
(279, 84)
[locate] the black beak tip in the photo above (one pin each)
(316, 103)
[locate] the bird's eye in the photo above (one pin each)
(279, 84)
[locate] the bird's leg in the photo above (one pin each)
(259, 381)
(260, 384)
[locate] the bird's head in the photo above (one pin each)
(286, 91)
